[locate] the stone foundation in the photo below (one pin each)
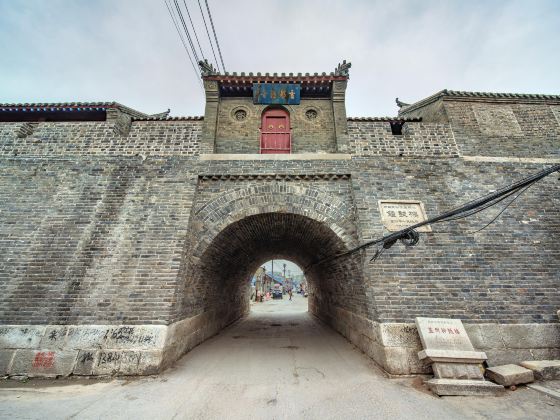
(103, 350)
(395, 346)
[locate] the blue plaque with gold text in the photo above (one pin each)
(276, 93)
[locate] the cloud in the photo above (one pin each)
(129, 51)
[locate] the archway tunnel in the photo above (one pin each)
(218, 286)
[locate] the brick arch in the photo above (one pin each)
(234, 231)
(217, 279)
(279, 197)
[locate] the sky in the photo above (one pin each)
(129, 51)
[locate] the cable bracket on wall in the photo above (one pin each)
(410, 237)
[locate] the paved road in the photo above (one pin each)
(278, 363)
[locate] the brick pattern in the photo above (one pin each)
(235, 136)
(374, 138)
(143, 138)
(496, 120)
(241, 223)
(502, 129)
(91, 242)
(507, 272)
(91, 233)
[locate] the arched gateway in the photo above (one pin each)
(127, 239)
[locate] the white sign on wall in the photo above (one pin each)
(400, 214)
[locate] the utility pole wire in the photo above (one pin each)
(410, 235)
(194, 30)
(183, 42)
(209, 37)
(186, 30)
(215, 37)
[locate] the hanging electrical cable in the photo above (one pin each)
(183, 42)
(410, 237)
(186, 30)
(215, 36)
(209, 37)
(194, 30)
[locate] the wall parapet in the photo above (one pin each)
(115, 137)
(418, 139)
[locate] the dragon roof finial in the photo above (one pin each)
(401, 104)
(206, 68)
(342, 69)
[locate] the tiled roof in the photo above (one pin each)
(385, 119)
(462, 93)
(184, 118)
(283, 75)
(495, 96)
(341, 72)
(69, 106)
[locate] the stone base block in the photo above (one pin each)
(6, 357)
(463, 387)
(543, 369)
(508, 375)
(43, 362)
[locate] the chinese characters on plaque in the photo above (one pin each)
(276, 93)
(457, 366)
(400, 214)
(443, 334)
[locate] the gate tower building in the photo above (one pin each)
(120, 231)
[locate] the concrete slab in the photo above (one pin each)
(86, 336)
(508, 375)
(107, 363)
(149, 362)
(21, 336)
(54, 337)
(129, 363)
(136, 337)
(442, 386)
(526, 336)
(43, 362)
(85, 362)
(545, 390)
(5, 360)
(543, 369)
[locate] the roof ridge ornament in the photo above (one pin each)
(206, 68)
(342, 69)
(164, 114)
(401, 104)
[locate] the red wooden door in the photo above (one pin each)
(275, 131)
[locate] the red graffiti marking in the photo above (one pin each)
(44, 359)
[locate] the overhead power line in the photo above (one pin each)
(215, 37)
(194, 30)
(209, 37)
(193, 49)
(409, 236)
(183, 42)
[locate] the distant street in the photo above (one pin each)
(278, 363)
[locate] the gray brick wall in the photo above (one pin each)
(100, 225)
(234, 136)
(515, 130)
(95, 241)
(144, 138)
(374, 138)
(506, 273)
(497, 127)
